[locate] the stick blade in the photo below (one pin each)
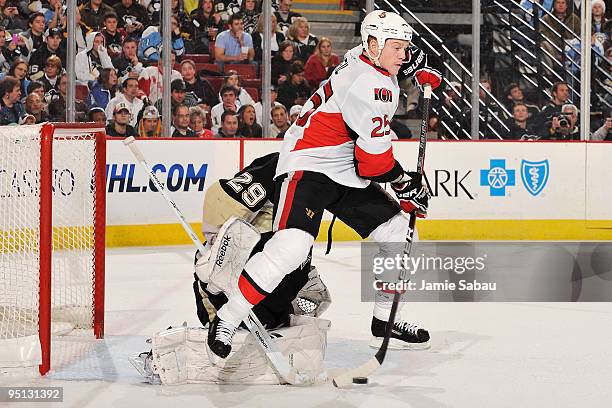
(345, 379)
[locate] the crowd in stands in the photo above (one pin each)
(215, 81)
(513, 109)
(216, 57)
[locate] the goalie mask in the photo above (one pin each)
(383, 25)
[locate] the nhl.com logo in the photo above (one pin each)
(498, 178)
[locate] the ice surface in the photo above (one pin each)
(482, 354)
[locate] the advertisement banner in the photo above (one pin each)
(185, 167)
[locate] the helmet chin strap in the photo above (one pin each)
(374, 58)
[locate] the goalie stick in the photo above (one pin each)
(268, 346)
(366, 369)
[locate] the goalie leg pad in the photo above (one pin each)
(179, 355)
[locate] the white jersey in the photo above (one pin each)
(343, 131)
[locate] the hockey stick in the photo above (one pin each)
(268, 346)
(366, 369)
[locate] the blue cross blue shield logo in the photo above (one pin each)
(534, 175)
(497, 177)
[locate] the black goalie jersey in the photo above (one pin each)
(254, 185)
(248, 195)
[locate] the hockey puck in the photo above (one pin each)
(360, 380)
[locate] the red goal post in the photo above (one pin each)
(52, 223)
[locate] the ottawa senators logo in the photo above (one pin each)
(383, 94)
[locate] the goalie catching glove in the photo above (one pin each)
(412, 193)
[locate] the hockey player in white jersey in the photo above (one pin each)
(332, 158)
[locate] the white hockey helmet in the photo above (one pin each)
(383, 25)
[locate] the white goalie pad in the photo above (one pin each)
(222, 266)
(180, 355)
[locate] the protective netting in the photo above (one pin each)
(73, 256)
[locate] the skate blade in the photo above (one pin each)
(396, 344)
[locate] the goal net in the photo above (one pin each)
(52, 207)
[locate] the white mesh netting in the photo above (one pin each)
(73, 212)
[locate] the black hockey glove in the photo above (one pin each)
(412, 194)
(415, 67)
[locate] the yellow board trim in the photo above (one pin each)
(444, 230)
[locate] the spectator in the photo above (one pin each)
(97, 115)
(10, 18)
(284, 16)
(303, 41)
(113, 36)
(227, 8)
(57, 103)
(92, 15)
(553, 30)
(151, 80)
(228, 102)
(38, 89)
(242, 96)
(19, 70)
(450, 106)
(40, 57)
(250, 15)
(247, 125)
(559, 96)
(129, 97)
(11, 108)
(34, 35)
(178, 45)
(92, 59)
(51, 73)
(321, 63)
(494, 116)
(520, 126)
(281, 63)
(103, 89)
(132, 17)
(127, 63)
(34, 106)
(9, 49)
(204, 27)
(55, 14)
(150, 45)
(178, 96)
(280, 122)
(120, 125)
(294, 112)
(150, 125)
(234, 45)
(599, 21)
(229, 125)
(564, 125)
(276, 38)
(514, 95)
(199, 87)
(197, 123)
(604, 132)
(178, 12)
(259, 107)
(180, 122)
(294, 91)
